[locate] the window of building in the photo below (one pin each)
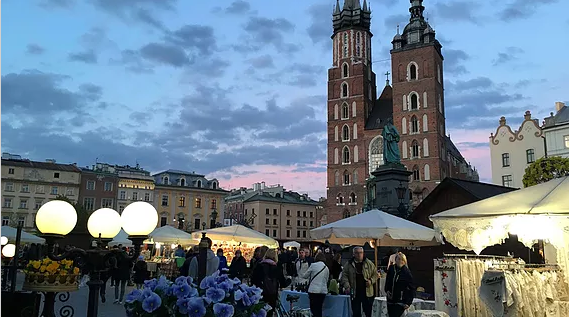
(340, 199)
(163, 221)
(25, 188)
(415, 148)
(198, 203)
(346, 214)
(566, 141)
(304, 214)
(108, 186)
(7, 202)
(311, 214)
(344, 90)
(505, 159)
(311, 224)
(267, 212)
(9, 187)
(21, 221)
(214, 185)
(275, 212)
(345, 133)
(40, 189)
(288, 222)
(345, 111)
(274, 233)
(166, 180)
(352, 198)
(346, 178)
(346, 155)
(69, 192)
(23, 204)
(182, 201)
(146, 196)
(507, 180)
(197, 224)
(298, 213)
(413, 72)
(275, 222)
(298, 233)
(134, 195)
(54, 190)
(5, 220)
(89, 203)
(199, 183)
(164, 200)
(304, 233)
(345, 71)
(376, 153)
(90, 185)
(214, 204)
(55, 175)
(337, 178)
(267, 232)
(107, 203)
(267, 221)
(414, 124)
(38, 204)
(416, 173)
(288, 212)
(122, 195)
(121, 208)
(11, 171)
(288, 233)
(530, 156)
(414, 102)
(298, 223)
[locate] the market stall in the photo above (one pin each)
(10, 233)
(234, 238)
(291, 244)
(539, 212)
(166, 240)
(121, 239)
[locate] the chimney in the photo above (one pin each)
(263, 185)
(559, 105)
(527, 115)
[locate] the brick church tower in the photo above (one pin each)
(418, 102)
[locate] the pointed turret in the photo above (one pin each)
(337, 7)
(356, 4)
(352, 15)
(365, 6)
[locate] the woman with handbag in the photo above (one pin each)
(399, 287)
(317, 275)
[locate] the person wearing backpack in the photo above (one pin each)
(317, 276)
(268, 277)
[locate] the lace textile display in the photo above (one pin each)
(525, 293)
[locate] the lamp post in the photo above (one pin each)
(401, 191)
(57, 218)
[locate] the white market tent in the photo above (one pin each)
(237, 234)
(10, 233)
(121, 238)
(540, 212)
(170, 235)
(291, 244)
(378, 226)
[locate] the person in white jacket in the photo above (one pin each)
(317, 275)
(212, 263)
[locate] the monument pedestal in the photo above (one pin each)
(392, 189)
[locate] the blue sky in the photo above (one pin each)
(237, 89)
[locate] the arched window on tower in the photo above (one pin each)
(345, 49)
(345, 72)
(415, 149)
(344, 90)
(345, 133)
(355, 177)
(340, 198)
(375, 153)
(413, 72)
(358, 44)
(414, 102)
(345, 111)
(352, 198)
(346, 178)
(346, 214)
(416, 173)
(414, 125)
(346, 155)
(337, 178)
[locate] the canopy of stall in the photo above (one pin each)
(378, 226)
(169, 234)
(10, 233)
(121, 239)
(291, 244)
(539, 212)
(237, 234)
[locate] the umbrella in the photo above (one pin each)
(533, 213)
(292, 244)
(10, 233)
(237, 233)
(169, 234)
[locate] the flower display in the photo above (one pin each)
(216, 296)
(49, 267)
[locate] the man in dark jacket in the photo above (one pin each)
(238, 266)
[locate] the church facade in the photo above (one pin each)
(356, 116)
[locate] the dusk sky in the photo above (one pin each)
(237, 89)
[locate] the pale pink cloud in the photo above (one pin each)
(474, 146)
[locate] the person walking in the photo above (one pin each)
(140, 272)
(122, 275)
(268, 277)
(399, 287)
(317, 276)
(238, 266)
(358, 277)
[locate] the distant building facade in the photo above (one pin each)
(27, 185)
(187, 200)
(556, 130)
(512, 151)
(99, 185)
(234, 202)
(134, 184)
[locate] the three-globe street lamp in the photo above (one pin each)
(57, 218)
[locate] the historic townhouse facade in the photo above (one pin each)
(99, 187)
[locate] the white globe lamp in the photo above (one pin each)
(9, 250)
(4, 240)
(139, 219)
(56, 217)
(105, 222)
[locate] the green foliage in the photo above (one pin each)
(546, 169)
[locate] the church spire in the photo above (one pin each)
(337, 8)
(417, 9)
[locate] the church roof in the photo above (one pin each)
(382, 110)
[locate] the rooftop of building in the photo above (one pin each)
(382, 110)
(180, 172)
(561, 117)
(288, 197)
(17, 161)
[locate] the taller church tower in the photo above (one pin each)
(418, 103)
(351, 95)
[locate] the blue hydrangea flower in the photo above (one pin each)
(225, 286)
(189, 280)
(151, 284)
(181, 280)
(162, 284)
(133, 296)
(147, 292)
(151, 303)
(223, 310)
(215, 295)
(181, 290)
(207, 282)
(183, 305)
(260, 313)
(193, 292)
(196, 307)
